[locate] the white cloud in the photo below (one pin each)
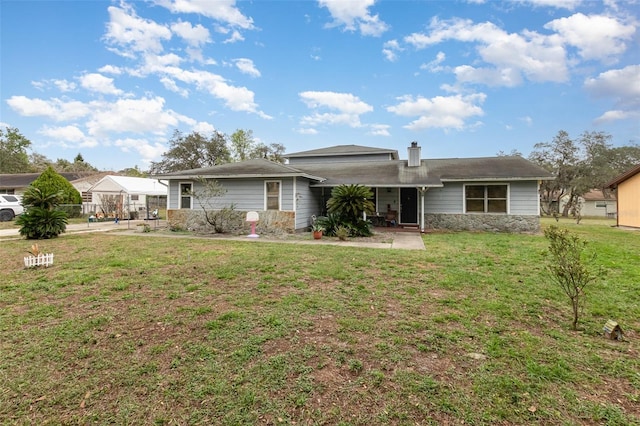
(64, 85)
(131, 34)
(527, 120)
(354, 15)
(110, 69)
(171, 85)
(507, 77)
(98, 83)
(235, 37)
(623, 86)
(147, 150)
(246, 66)
(224, 11)
(617, 115)
(390, 50)
(348, 107)
(345, 102)
(54, 109)
(69, 136)
(619, 83)
(144, 115)
(559, 4)
(446, 112)
(307, 131)
(596, 37)
(192, 35)
(435, 65)
(379, 130)
(235, 98)
(204, 128)
(510, 57)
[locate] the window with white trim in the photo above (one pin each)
(486, 198)
(272, 194)
(186, 195)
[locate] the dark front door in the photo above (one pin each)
(408, 205)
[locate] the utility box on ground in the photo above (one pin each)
(612, 330)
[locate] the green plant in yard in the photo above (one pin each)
(317, 227)
(342, 233)
(571, 266)
(41, 220)
(69, 199)
(222, 219)
(349, 202)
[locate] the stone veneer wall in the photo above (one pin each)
(271, 222)
(483, 222)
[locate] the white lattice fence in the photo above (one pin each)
(39, 260)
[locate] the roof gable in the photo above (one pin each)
(129, 185)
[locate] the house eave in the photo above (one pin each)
(382, 185)
(244, 176)
(496, 179)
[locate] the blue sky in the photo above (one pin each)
(113, 80)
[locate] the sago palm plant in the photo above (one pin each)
(41, 220)
(349, 202)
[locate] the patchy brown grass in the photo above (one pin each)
(129, 329)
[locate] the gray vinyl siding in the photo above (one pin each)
(339, 158)
(523, 198)
(244, 194)
(447, 199)
(309, 203)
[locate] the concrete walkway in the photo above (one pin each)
(400, 240)
(408, 241)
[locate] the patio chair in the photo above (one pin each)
(391, 218)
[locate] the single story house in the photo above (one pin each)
(598, 203)
(627, 186)
(491, 193)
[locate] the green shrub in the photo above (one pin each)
(69, 199)
(571, 266)
(343, 233)
(38, 223)
(41, 219)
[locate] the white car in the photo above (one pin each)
(10, 207)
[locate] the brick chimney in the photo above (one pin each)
(414, 155)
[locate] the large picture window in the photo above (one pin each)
(272, 195)
(485, 198)
(186, 195)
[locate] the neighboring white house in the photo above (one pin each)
(83, 184)
(597, 203)
(126, 196)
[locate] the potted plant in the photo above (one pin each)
(317, 231)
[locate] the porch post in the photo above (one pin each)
(422, 191)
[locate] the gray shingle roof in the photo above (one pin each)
(343, 150)
(487, 168)
(431, 173)
(251, 168)
(22, 180)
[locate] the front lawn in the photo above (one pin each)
(166, 330)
